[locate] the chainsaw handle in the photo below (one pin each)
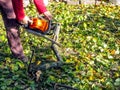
(49, 21)
(49, 27)
(24, 25)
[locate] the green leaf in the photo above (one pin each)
(117, 82)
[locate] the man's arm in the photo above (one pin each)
(20, 13)
(40, 6)
(19, 9)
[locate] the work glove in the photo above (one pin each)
(48, 15)
(26, 20)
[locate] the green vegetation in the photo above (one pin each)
(91, 48)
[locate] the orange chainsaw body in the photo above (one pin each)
(39, 24)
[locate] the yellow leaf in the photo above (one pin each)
(85, 25)
(102, 80)
(21, 65)
(68, 61)
(38, 62)
(113, 52)
(91, 78)
(116, 74)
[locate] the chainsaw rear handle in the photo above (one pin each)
(49, 27)
(49, 23)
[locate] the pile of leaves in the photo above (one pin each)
(90, 36)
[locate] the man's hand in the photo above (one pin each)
(25, 20)
(48, 15)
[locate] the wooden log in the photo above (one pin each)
(116, 2)
(73, 2)
(50, 65)
(57, 85)
(87, 2)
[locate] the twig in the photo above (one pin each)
(62, 85)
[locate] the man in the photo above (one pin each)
(13, 11)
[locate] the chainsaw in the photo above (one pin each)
(43, 27)
(40, 25)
